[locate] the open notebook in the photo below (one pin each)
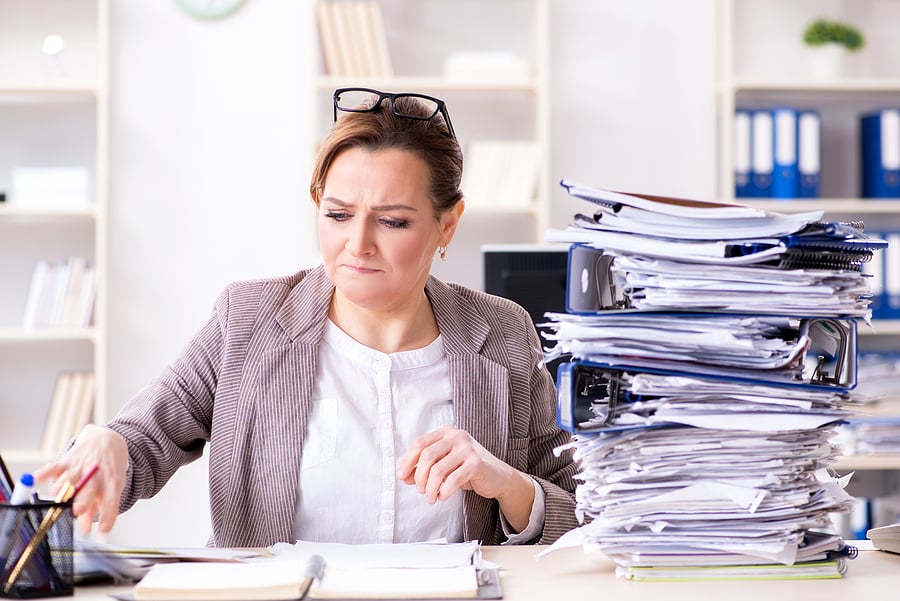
(279, 580)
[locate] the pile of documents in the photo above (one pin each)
(875, 429)
(713, 351)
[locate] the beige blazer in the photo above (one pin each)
(243, 385)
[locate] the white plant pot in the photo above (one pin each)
(828, 61)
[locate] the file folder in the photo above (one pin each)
(742, 150)
(880, 154)
(590, 392)
(785, 147)
(809, 153)
(762, 162)
(591, 286)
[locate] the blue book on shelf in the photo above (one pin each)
(880, 154)
(742, 153)
(809, 153)
(761, 161)
(784, 153)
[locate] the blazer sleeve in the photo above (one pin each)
(168, 423)
(533, 398)
(554, 471)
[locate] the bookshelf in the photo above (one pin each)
(761, 62)
(496, 88)
(776, 73)
(54, 114)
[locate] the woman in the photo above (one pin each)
(362, 400)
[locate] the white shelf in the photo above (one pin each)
(855, 85)
(436, 83)
(867, 462)
(13, 212)
(862, 206)
(21, 335)
(51, 116)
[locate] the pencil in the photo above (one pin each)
(66, 494)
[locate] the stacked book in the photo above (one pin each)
(353, 38)
(61, 294)
(713, 351)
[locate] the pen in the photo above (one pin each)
(312, 571)
(66, 494)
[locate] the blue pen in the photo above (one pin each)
(21, 495)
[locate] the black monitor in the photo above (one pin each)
(533, 275)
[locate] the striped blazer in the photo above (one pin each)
(243, 385)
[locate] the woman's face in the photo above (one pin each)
(377, 228)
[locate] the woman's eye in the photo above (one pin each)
(395, 223)
(337, 215)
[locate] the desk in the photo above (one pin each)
(569, 575)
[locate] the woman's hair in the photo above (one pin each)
(430, 140)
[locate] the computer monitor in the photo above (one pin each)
(532, 275)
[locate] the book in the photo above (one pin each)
(280, 579)
(55, 415)
(331, 51)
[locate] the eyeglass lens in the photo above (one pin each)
(364, 100)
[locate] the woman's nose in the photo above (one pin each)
(361, 240)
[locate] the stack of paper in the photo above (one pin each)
(708, 381)
(876, 428)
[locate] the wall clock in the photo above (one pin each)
(210, 9)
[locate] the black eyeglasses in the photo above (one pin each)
(366, 100)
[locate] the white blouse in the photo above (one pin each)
(367, 408)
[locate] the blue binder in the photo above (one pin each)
(742, 153)
(809, 153)
(589, 392)
(880, 154)
(784, 153)
(761, 161)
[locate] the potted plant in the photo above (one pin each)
(829, 43)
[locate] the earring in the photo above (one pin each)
(442, 252)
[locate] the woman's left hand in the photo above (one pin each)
(447, 460)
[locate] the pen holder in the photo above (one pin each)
(36, 548)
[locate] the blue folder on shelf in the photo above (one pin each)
(742, 153)
(785, 147)
(762, 161)
(880, 154)
(809, 153)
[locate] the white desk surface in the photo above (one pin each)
(570, 575)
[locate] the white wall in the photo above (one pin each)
(209, 146)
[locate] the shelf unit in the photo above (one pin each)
(420, 37)
(777, 75)
(53, 112)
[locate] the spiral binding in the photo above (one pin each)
(812, 258)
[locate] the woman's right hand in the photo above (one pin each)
(105, 448)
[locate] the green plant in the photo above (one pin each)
(823, 31)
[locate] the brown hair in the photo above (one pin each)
(380, 129)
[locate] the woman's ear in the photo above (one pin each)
(449, 221)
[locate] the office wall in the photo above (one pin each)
(208, 142)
